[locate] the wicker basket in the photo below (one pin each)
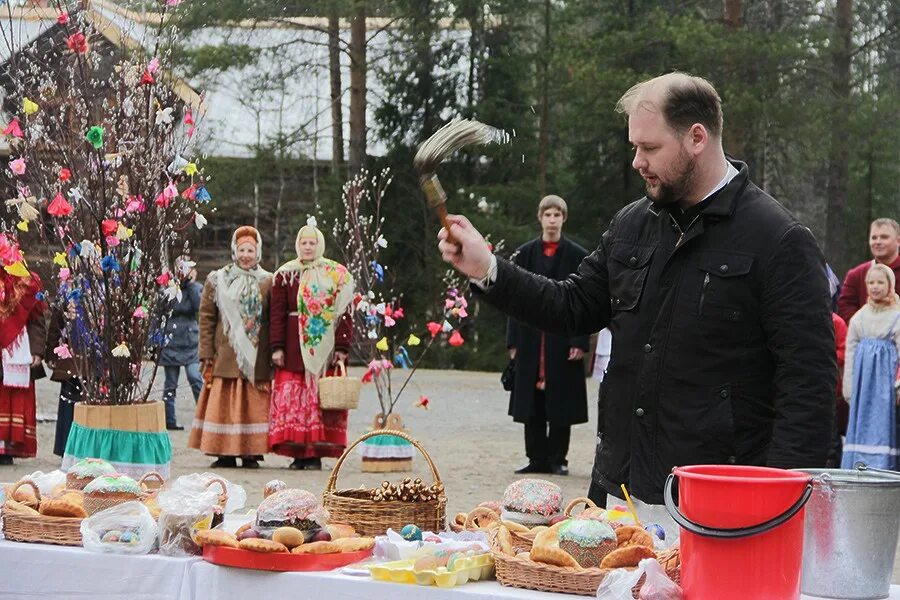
(513, 571)
(61, 531)
(374, 518)
(340, 392)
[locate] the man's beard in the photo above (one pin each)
(669, 193)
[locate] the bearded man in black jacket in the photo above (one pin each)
(716, 297)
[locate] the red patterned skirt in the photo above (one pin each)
(18, 421)
(297, 426)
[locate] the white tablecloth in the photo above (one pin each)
(63, 573)
(212, 582)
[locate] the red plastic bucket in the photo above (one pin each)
(741, 531)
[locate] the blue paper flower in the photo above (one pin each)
(379, 270)
(201, 195)
(109, 263)
(40, 296)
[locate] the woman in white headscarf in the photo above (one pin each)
(232, 414)
(311, 329)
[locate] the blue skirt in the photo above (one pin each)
(872, 432)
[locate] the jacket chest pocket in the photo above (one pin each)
(628, 268)
(724, 285)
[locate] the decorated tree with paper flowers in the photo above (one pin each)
(97, 136)
(385, 339)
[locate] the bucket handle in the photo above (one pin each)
(862, 466)
(730, 534)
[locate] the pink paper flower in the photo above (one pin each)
(63, 18)
(389, 322)
(161, 200)
(112, 241)
(153, 65)
(64, 274)
(139, 313)
(434, 328)
(62, 351)
(456, 339)
(65, 174)
(17, 166)
(77, 43)
(135, 204)
(163, 279)
(14, 129)
(171, 191)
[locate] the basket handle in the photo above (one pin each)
(332, 479)
(223, 497)
(479, 512)
(153, 475)
(340, 368)
(588, 503)
(15, 488)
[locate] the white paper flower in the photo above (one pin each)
(177, 165)
(121, 351)
(311, 221)
(164, 116)
(199, 220)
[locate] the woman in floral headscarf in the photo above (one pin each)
(231, 419)
(23, 333)
(310, 330)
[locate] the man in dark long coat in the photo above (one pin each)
(549, 386)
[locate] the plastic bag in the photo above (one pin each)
(48, 482)
(618, 583)
(127, 528)
(185, 510)
(658, 586)
(197, 483)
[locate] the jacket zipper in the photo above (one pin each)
(681, 233)
(703, 294)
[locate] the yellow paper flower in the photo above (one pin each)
(22, 225)
(60, 259)
(121, 351)
(122, 232)
(29, 107)
(190, 169)
(382, 344)
(413, 340)
(17, 269)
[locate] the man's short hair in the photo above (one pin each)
(553, 201)
(885, 222)
(683, 100)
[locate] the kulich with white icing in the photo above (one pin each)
(91, 467)
(586, 532)
(291, 507)
(111, 484)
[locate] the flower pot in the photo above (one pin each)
(387, 453)
(132, 437)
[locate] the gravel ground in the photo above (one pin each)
(474, 444)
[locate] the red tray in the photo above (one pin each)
(280, 561)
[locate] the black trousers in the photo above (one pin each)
(545, 443)
(69, 394)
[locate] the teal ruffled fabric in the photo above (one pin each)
(131, 452)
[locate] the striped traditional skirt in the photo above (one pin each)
(18, 421)
(232, 419)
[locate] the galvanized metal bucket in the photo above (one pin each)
(850, 537)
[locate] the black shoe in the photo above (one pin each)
(224, 462)
(559, 469)
(175, 427)
(313, 464)
(298, 464)
(532, 468)
(249, 463)
(6, 461)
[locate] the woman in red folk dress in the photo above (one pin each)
(310, 329)
(23, 333)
